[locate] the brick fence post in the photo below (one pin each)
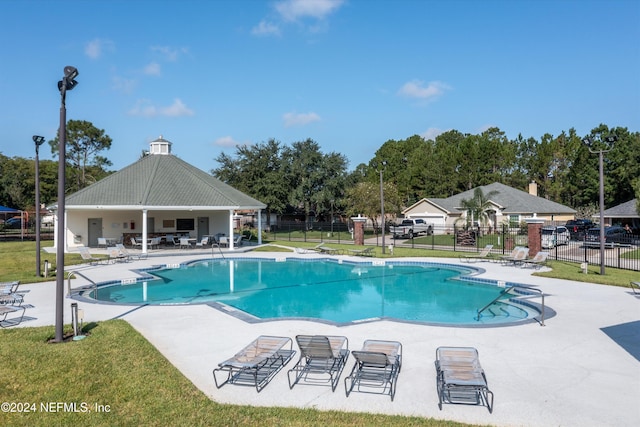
(358, 229)
(534, 233)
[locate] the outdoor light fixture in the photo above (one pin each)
(39, 140)
(67, 83)
(603, 148)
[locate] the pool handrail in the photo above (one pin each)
(505, 291)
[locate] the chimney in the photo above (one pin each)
(533, 188)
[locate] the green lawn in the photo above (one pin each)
(116, 377)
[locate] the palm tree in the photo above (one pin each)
(478, 206)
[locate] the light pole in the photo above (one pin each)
(384, 165)
(332, 201)
(67, 83)
(601, 150)
(39, 140)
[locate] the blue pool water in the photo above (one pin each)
(324, 289)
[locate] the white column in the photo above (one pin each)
(259, 226)
(144, 231)
(231, 229)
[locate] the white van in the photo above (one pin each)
(554, 236)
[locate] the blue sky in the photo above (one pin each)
(349, 74)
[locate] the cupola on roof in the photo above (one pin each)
(160, 146)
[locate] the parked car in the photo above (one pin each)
(578, 227)
(554, 236)
(13, 222)
(614, 235)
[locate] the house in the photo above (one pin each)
(622, 214)
(160, 194)
(508, 206)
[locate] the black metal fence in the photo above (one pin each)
(462, 239)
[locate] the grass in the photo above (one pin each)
(133, 384)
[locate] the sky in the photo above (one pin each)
(349, 74)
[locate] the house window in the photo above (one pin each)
(514, 221)
(168, 223)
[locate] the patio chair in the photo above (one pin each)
(634, 286)
(102, 242)
(86, 255)
(202, 243)
(537, 261)
(376, 369)
(12, 299)
(134, 242)
(184, 243)
(460, 378)
(484, 254)
(5, 310)
(513, 253)
(155, 241)
(320, 356)
(257, 363)
(9, 287)
(237, 240)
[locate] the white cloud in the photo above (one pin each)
(96, 47)
(145, 108)
(226, 141)
(169, 53)
(299, 119)
(292, 10)
(123, 85)
(417, 89)
(152, 69)
(432, 133)
(265, 28)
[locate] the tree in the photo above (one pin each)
(364, 198)
(84, 143)
(258, 171)
(478, 206)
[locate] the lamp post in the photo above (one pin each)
(601, 150)
(39, 140)
(67, 83)
(332, 201)
(384, 165)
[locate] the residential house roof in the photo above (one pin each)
(511, 200)
(623, 210)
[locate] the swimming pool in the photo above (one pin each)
(328, 290)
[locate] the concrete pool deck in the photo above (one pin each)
(581, 369)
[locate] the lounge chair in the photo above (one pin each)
(116, 256)
(313, 250)
(513, 253)
(256, 364)
(155, 241)
(184, 243)
(9, 287)
(520, 256)
(135, 243)
(320, 356)
(634, 286)
(484, 254)
(329, 251)
(460, 378)
(5, 310)
(129, 255)
(102, 242)
(86, 255)
(376, 369)
(362, 252)
(537, 261)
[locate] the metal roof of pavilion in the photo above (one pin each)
(161, 182)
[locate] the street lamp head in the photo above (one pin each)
(68, 81)
(587, 141)
(611, 139)
(39, 140)
(70, 72)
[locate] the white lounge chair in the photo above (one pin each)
(376, 369)
(320, 356)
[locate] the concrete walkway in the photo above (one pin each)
(581, 369)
